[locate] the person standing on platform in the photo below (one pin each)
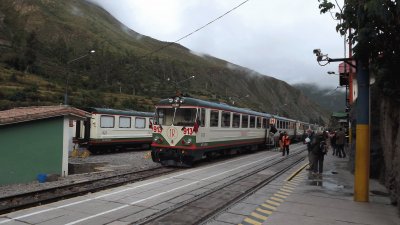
(319, 149)
(280, 141)
(308, 141)
(333, 142)
(340, 140)
(286, 143)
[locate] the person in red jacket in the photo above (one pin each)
(286, 143)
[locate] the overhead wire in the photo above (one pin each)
(195, 31)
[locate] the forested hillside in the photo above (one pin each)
(41, 40)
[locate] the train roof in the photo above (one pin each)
(187, 101)
(283, 118)
(119, 112)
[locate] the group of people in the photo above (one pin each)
(338, 139)
(317, 146)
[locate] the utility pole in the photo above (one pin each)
(362, 163)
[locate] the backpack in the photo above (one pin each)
(323, 148)
(319, 146)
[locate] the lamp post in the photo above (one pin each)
(176, 83)
(66, 80)
(238, 98)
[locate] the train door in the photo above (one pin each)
(87, 128)
(201, 122)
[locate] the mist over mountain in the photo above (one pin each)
(45, 46)
(333, 100)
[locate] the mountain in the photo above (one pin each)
(333, 100)
(44, 47)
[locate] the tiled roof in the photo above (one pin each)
(18, 115)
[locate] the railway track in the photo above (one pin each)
(29, 199)
(201, 208)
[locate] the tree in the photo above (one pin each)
(374, 27)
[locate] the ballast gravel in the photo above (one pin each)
(113, 164)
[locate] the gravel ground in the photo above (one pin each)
(114, 164)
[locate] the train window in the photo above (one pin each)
(259, 122)
(185, 116)
(151, 122)
(236, 120)
(245, 121)
(106, 121)
(202, 117)
(140, 122)
(124, 122)
(160, 117)
(214, 118)
(226, 119)
(252, 122)
(266, 123)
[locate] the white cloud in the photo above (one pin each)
(275, 38)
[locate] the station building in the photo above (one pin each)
(36, 140)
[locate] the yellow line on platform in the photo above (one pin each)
(277, 199)
(251, 221)
(283, 193)
(280, 196)
(273, 203)
(261, 217)
(288, 187)
(286, 190)
(263, 211)
(269, 206)
(296, 172)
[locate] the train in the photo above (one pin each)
(109, 130)
(187, 130)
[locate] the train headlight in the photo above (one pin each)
(158, 140)
(187, 141)
(176, 99)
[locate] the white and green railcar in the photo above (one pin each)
(186, 130)
(113, 129)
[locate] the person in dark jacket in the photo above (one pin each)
(340, 141)
(333, 142)
(319, 149)
(308, 140)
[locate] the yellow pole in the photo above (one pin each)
(361, 174)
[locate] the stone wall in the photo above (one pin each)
(385, 142)
(390, 142)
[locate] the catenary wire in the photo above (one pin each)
(191, 33)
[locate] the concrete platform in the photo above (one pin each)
(323, 201)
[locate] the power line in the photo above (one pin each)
(198, 29)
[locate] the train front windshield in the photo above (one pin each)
(176, 116)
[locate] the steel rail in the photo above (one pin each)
(160, 218)
(39, 197)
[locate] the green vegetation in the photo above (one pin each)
(375, 31)
(39, 38)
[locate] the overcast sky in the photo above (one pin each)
(272, 37)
